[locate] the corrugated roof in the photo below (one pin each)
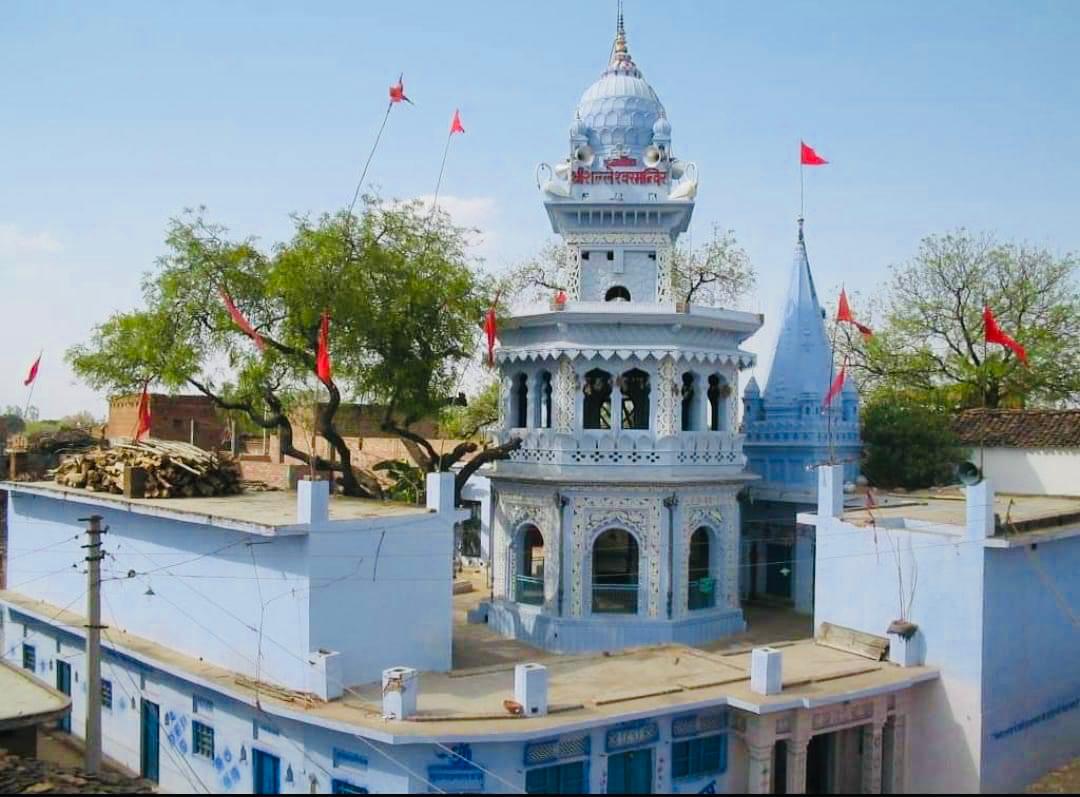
(1019, 428)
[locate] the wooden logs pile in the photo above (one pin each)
(151, 469)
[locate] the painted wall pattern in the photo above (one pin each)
(514, 510)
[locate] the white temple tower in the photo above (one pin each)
(616, 523)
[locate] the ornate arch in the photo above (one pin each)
(635, 513)
(719, 514)
(513, 512)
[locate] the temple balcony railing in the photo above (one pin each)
(626, 449)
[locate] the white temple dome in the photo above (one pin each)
(620, 109)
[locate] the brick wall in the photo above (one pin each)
(171, 418)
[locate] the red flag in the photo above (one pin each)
(455, 124)
(322, 356)
(807, 156)
(397, 91)
(837, 385)
(32, 375)
(994, 334)
(844, 314)
(240, 321)
(489, 331)
(143, 423)
(560, 297)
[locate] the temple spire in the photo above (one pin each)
(620, 52)
(803, 357)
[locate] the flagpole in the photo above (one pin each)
(371, 154)
(33, 384)
(802, 209)
(442, 168)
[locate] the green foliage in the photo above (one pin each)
(465, 422)
(408, 482)
(717, 273)
(929, 327)
(404, 300)
(907, 441)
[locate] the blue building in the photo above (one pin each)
(982, 586)
(789, 433)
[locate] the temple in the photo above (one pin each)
(789, 434)
(616, 521)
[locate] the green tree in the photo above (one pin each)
(403, 299)
(718, 273)
(929, 330)
(907, 441)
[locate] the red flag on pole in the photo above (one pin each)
(844, 314)
(455, 124)
(995, 334)
(490, 327)
(143, 423)
(397, 91)
(322, 356)
(32, 375)
(240, 321)
(837, 385)
(807, 156)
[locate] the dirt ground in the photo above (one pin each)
(1063, 780)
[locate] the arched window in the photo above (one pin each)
(691, 421)
(718, 393)
(635, 399)
(617, 293)
(544, 391)
(597, 410)
(701, 587)
(615, 573)
(520, 401)
(529, 580)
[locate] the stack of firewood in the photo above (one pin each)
(151, 469)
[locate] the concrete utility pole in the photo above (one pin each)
(94, 556)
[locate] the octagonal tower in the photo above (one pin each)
(616, 521)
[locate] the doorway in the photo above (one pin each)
(63, 684)
(631, 772)
(149, 746)
(819, 764)
(266, 772)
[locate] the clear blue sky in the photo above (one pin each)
(114, 116)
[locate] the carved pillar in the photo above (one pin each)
(759, 780)
(761, 742)
(797, 745)
(564, 398)
(667, 399)
(871, 761)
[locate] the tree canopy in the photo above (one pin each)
(404, 300)
(907, 441)
(929, 327)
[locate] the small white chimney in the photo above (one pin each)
(440, 492)
(400, 688)
(325, 674)
(980, 510)
(312, 501)
(830, 491)
(531, 688)
(766, 667)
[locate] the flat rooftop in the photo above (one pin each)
(260, 512)
(467, 703)
(26, 700)
(1020, 515)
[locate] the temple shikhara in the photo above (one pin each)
(681, 586)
